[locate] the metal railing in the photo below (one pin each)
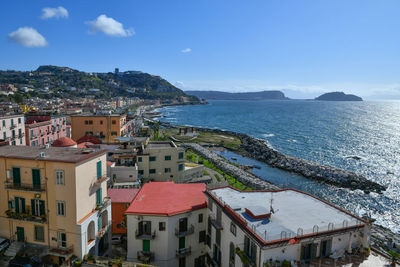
(106, 202)
(26, 217)
(61, 250)
(183, 252)
(25, 187)
(184, 232)
(145, 235)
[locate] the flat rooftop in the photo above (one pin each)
(168, 198)
(122, 195)
(295, 213)
(160, 145)
(61, 154)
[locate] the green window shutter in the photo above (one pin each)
(167, 157)
(98, 196)
(16, 176)
(33, 207)
(42, 207)
(181, 242)
(152, 158)
(17, 204)
(139, 159)
(36, 178)
(99, 170)
(22, 204)
(99, 223)
(146, 245)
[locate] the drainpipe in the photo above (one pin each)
(259, 258)
(47, 203)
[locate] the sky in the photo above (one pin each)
(303, 47)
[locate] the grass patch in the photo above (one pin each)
(191, 157)
(206, 173)
(217, 177)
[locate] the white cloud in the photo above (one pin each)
(186, 50)
(54, 12)
(28, 37)
(109, 26)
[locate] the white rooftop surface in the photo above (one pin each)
(293, 210)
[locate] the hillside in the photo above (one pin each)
(218, 95)
(338, 96)
(64, 81)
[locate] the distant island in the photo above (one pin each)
(338, 96)
(218, 95)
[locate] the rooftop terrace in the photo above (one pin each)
(294, 213)
(61, 154)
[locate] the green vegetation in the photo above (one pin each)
(191, 157)
(217, 177)
(206, 173)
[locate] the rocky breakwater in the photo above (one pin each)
(241, 175)
(259, 150)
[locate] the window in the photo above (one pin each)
(180, 155)
(200, 218)
(90, 122)
(19, 204)
(99, 172)
(152, 171)
(19, 120)
(140, 159)
(39, 233)
(114, 133)
(12, 122)
(86, 122)
(153, 158)
(167, 170)
(218, 237)
(60, 180)
(183, 225)
(37, 207)
(114, 122)
(4, 123)
(60, 208)
(101, 122)
(182, 262)
(202, 236)
(99, 196)
(141, 172)
(144, 228)
(161, 226)
(250, 249)
(233, 228)
(62, 239)
(4, 136)
(168, 157)
(181, 167)
(231, 254)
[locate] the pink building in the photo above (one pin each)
(44, 129)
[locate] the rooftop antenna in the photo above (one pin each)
(271, 209)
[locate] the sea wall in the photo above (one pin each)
(259, 150)
(241, 175)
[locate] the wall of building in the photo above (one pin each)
(118, 211)
(167, 239)
(123, 174)
(12, 128)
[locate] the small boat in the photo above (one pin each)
(233, 158)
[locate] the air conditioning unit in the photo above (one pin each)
(42, 154)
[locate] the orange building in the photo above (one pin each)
(103, 127)
(120, 201)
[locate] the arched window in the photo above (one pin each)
(91, 235)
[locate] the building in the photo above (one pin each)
(12, 129)
(261, 227)
(121, 198)
(167, 225)
(55, 198)
(150, 161)
(102, 126)
(45, 128)
(8, 87)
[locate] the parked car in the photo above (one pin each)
(4, 243)
(116, 239)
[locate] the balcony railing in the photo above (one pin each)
(26, 217)
(61, 251)
(145, 235)
(13, 126)
(183, 252)
(145, 256)
(215, 222)
(103, 230)
(21, 135)
(184, 232)
(25, 187)
(106, 202)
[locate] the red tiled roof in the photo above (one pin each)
(168, 198)
(64, 142)
(122, 195)
(88, 138)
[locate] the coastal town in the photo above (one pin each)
(89, 181)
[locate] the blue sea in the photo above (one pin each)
(325, 132)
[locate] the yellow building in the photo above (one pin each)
(103, 127)
(55, 198)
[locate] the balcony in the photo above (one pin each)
(13, 126)
(21, 135)
(215, 222)
(26, 217)
(106, 202)
(61, 251)
(103, 230)
(145, 235)
(184, 232)
(183, 252)
(145, 256)
(25, 187)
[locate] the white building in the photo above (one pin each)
(12, 129)
(166, 225)
(265, 226)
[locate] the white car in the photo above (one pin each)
(4, 243)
